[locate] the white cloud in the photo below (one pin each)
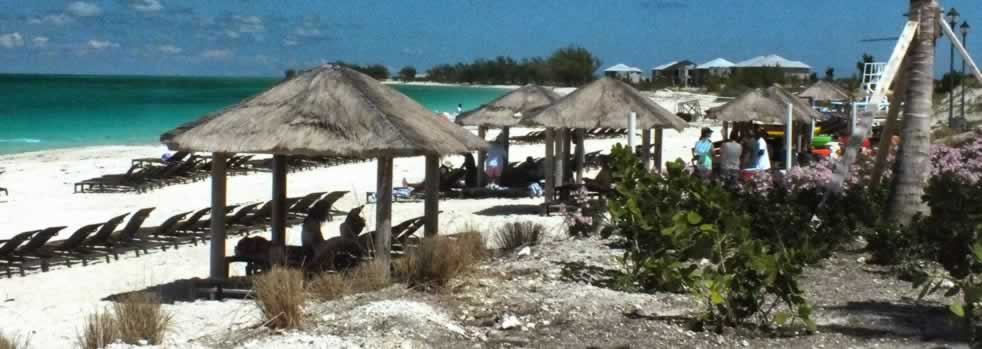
(250, 24)
(146, 5)
(99, 44)
(216, 54)
(231, 34)
(84, 9)
(40, 41)
(290, 42)
(58, 19)
(169, 49)
(11, 40)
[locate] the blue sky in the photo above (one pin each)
(264, 37)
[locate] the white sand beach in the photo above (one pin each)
(49, 307)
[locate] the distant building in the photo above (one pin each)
(791, 69)
(679, 73)
(624, 72)
(717, 68)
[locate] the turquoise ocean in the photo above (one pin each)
(40, 112)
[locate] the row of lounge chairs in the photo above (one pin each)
(35, 249)
(540, 136)
(147, 174)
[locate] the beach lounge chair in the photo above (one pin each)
(109, 242)
(26, 255)
(305, 202)
(9, 246)
(72, 247)
(114, 182)
(4, 191)
(400, 233)
(161, 236)
(327, 203)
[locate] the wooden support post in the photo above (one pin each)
(218, 269)
(506, 136)
(659, 140)
(431, 206)
(550, 163)
(482, 156)
(278, 215)
(383, 214)
(580, 155)
(560, 162)
(789, 137)
(646, 149)
(890, 126)
(726, 130)
(568, 155)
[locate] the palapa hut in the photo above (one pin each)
(327, 111)
(604, 103)
(509, 110)
(767, 106)
(824, 91)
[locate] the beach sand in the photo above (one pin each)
(50, 307)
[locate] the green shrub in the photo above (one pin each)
(690, 234)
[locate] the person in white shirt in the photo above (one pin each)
(760, 151)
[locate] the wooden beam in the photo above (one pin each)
(278, 215)
(550, 163)
(567, 155)
(431, 206)
(958, 45)
(506, 136)
(646, 149)
(580, 155)
(560, 162)
(865, 122)
(383, 214)
(482, 156)
(889, 127)
(218, 269)
(659, 140)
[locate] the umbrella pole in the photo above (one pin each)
(278, 219)
(580, 156)
(482, 156)
(788, 137)
(383, 214)
(218, 268)
(432, 200)
(560, 135)
(568, 155)
(506, 136)
(646, 149)
(659, 136)
(549, 164)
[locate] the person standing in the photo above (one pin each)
(730, 153)
(495, 162)
(760, 152)
(702, 153)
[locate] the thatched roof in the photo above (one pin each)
(825, 91)
(765, 105)
(501, 112)
(331, 111)
(606, 103)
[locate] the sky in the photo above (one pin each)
(265, 37)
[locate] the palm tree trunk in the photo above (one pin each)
(912, 168)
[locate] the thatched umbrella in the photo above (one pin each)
(504, 112)
(327, 111)
(769, 106)
(605, 103)
(824, 91)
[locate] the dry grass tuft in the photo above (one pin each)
(363, 278)
(140, 317)
(515, 235)
(99, 331)
(12, 342)
(329, 286)
(280, 297)
(438, 260)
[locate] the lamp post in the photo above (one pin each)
(965, 28)
(953, 20)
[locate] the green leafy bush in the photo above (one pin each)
(688, 234)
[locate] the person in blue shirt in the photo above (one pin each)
(702, 153)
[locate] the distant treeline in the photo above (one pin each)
(568, 66)
(377, 71)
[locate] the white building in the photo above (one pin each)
(624, 72)
(791, 68)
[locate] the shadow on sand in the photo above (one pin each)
(503, 210)
(884, 319)
(190, 290)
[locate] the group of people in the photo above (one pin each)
(746, 153)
